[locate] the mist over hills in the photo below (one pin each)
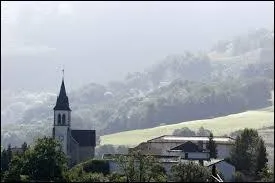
(234, 76)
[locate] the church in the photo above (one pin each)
(78, 145)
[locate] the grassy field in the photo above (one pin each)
(219, 126)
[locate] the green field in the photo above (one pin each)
(219, 126)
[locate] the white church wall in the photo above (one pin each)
(62, 131)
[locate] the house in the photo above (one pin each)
(190, 151)
(161, 145)
(77, 144)
(170, 150)
(17, 150)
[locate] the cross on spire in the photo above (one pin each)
(63, 73)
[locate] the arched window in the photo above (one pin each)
(59, 119)
(63, 119)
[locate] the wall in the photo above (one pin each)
(67, 114)
(162, 148)
(224, 150)
(198, 155)
(86, 153)
(74, 153)
(226, 169)
(62, 131)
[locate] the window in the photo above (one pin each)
(63, 119)
(59, 119)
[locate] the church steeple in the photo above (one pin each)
(62, 102)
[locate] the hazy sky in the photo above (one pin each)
(102, 41)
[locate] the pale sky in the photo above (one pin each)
(103, 41)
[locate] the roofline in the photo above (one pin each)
(229, 143)
(229, 137)
(170, 150)
(154, 155)
(82, 130)
(74, 140)
(157, 137)
(61, 109)
(216, 162)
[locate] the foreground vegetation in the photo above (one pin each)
(46, 162)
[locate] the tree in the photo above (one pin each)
(9, 153)
(142, 168)
(121, 149)
(4, 161)
(212, 147)
(13, 174)
(24, 146)
(98, 140)
(126, 163)
(105, 149)
(184, 132)
(244, 152)
(261, 159)
(190, 172)
(116, 177)
(93, 177)
(45, 160)
(239, 177)
(203, 132)
(267, 175)
(157, 173)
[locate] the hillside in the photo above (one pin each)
(219, 126)
(180, 88)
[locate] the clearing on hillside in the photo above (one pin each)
(219, 126)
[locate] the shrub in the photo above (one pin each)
(116, 177)
(93, 177)
(96, 166)
(239, 177)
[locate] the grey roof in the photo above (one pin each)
(171, 138)
(84, 137)
(113, 156)
(187, 147)
(62, 102)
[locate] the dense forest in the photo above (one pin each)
(234, 76)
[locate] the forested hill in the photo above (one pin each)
(234, 76)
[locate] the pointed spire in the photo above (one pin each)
(62, 102)
(62, 89)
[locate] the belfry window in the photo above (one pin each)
(63, 119)
(59, 119)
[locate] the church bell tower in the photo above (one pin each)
(62, 119)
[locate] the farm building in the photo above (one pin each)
(173, 150)
(164, 145)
